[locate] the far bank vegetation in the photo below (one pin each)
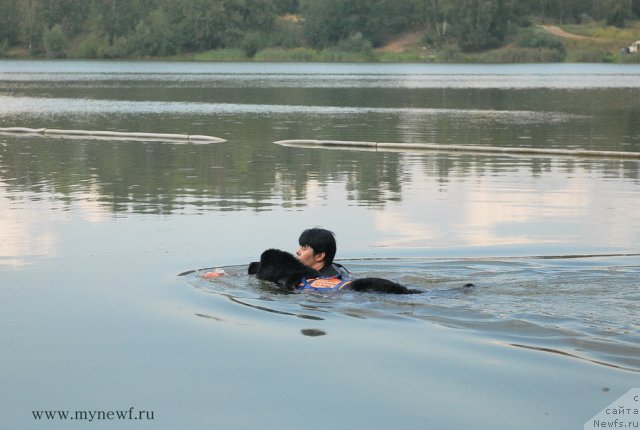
(322, 30)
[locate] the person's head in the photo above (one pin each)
(317, 247)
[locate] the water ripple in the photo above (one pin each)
(57, 106)
(314, 75)
(582, 307)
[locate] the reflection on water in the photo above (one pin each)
(165, 178)
(418, 200)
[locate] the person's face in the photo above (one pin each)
(308, 258)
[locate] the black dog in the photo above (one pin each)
(286, 271)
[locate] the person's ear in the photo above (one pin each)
(319, 256)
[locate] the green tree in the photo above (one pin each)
(324, 24)
(480, 24)
(329, 21)
(30, 28)
(69, 14)
(118, 18)
(283, 7)
(355, 43)
(211, 24)
(560, 10)
(9, 19)
(618, 12)
(253, 42)
(153, 36)
(436, 17)
(55, 42)
(536, 38)
(398, 16)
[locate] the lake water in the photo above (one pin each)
(94, 233)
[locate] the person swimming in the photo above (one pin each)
(313, 268)
(317, 250)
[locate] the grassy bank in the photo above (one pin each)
(604, 43)
(303, 55)
(593, 43)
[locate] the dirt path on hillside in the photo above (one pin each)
(557, 31)
(403, 42)
(413, 39)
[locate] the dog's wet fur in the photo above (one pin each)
(287, 272)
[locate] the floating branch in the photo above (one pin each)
(345, 144)
(118, 135)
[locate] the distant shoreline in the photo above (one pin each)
(544, 43)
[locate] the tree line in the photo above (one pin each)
(138, 28)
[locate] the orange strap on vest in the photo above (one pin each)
(335, 283)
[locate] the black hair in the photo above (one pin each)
(320, 240)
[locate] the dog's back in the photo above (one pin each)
(380, 285)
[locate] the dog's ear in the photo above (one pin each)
(269, 256)
(254, 267)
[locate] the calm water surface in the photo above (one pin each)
(93, 234)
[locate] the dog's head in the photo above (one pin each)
(272, 258)
(276, 257)
(280, 267)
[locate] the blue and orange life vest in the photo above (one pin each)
(332, 283)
